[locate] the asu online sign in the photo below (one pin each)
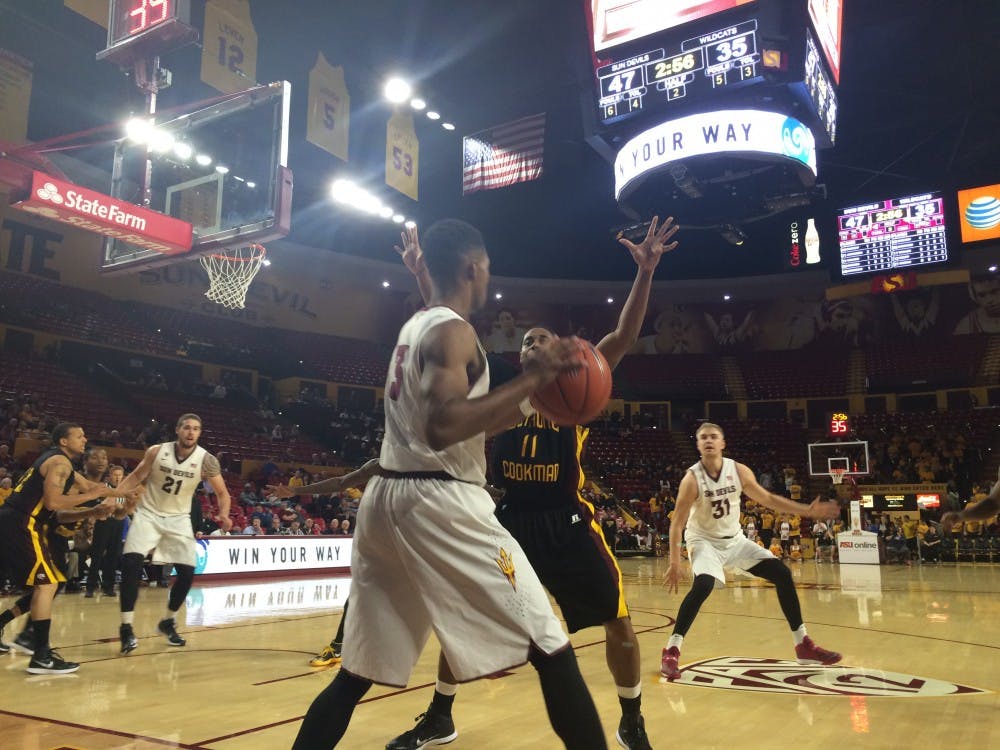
(731, 131)
(979, 211)
(95, 212)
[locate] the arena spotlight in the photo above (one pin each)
(397, 90)
(410, 224)
(992, 269)
(418, 104)
(611, 300)
(385, 284)
(447, 126)
(385, 212)
(726, 297)
(398, 218)
(432, 115)
(203, 160)
(498, 295)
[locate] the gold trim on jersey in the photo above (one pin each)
(581, 437)
(54, 576)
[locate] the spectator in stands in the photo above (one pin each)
(219, 392)
(5, 490)
(897, 549)
(784, 533)
(249, 494)
(297, 479)
(909, 530)
(296, 529)
(276, 433)
(276, 527)
(254, 529)
(345, 527)
(930, 545)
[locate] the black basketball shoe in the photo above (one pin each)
(129, 642)
(167, 628)
(432, 729)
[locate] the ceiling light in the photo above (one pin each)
(385, 212)
(418, 104)
(498, 295)
(251, 185)
(432, 115)
(139, 129)
(398, 218)
(411, 224)
(726, 297)
(385, 284)
(203, 160)
(611, 300)
(397, 90)
(447, 126)
(992, 269)
(183, 151)
(221, 169)
(265, 262)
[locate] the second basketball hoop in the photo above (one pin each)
(230, 273)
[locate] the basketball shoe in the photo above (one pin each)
(632, 733)
(128, 639)
(432, 729)
(808, 652)
(328, 656)
(24, 643)
(51, 663)
(4, 647)
(167, 628)
(668, 663)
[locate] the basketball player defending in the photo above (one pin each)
(708, 514)
(543, 509)
(985, 508)
(41, 493)
(171, 472)
(429, 552)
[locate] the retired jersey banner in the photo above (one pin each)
(402, 155)
(229, 46)
(329, 108)
(504, 155)
(15, 96)
(95, 10)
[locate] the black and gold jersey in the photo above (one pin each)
(538, 464)
(30, 489)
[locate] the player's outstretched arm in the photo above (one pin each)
(413, 259)
(57, 471)
(647, 255)
(139, 474)
(327, 486)
(211, 472)
(687, 493)
(986, 508)
(450, 351)
(816, 509)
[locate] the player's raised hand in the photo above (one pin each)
(823, 509)
(672, 577)
(657, 242)
(410, 252)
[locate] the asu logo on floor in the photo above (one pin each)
(780, 676)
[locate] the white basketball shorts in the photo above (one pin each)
(170, 537)
(711, 556)
(430, 554)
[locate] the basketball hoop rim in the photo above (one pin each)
(260, 250)
(837, 475)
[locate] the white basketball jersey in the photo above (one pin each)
(171, 484)
(405, 446)
(716, 511)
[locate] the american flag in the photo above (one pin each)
(504, 155)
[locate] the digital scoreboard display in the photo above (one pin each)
(893, 234)
(617, 22)
(839, 424)
(139, 29)
(724, 57)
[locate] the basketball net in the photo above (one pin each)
(837, 475)
(230, 273)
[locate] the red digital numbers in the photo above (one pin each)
(839, 424)
(147, 13)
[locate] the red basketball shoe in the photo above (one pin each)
(668, 663)
(808, 652)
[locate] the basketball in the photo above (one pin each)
(578, 396)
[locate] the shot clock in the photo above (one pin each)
(840, 424)
(139, 29)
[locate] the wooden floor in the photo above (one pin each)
(921, 648)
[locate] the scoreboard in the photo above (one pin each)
(892, 234)
(719, 59)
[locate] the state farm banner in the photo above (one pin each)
(95, 212)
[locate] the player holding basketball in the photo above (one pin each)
(429, 552)
(537, 465)
(708, 514)
(162, 523)
(41, 493)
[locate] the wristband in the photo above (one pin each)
(526, 408)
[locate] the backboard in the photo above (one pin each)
(223, 168)
(851, 455)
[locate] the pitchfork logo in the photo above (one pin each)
(779, 676)
(49, 192)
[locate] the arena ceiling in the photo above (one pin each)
(918, 111)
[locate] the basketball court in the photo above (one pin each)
(920, 649)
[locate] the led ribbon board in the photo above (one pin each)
(747, 132)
